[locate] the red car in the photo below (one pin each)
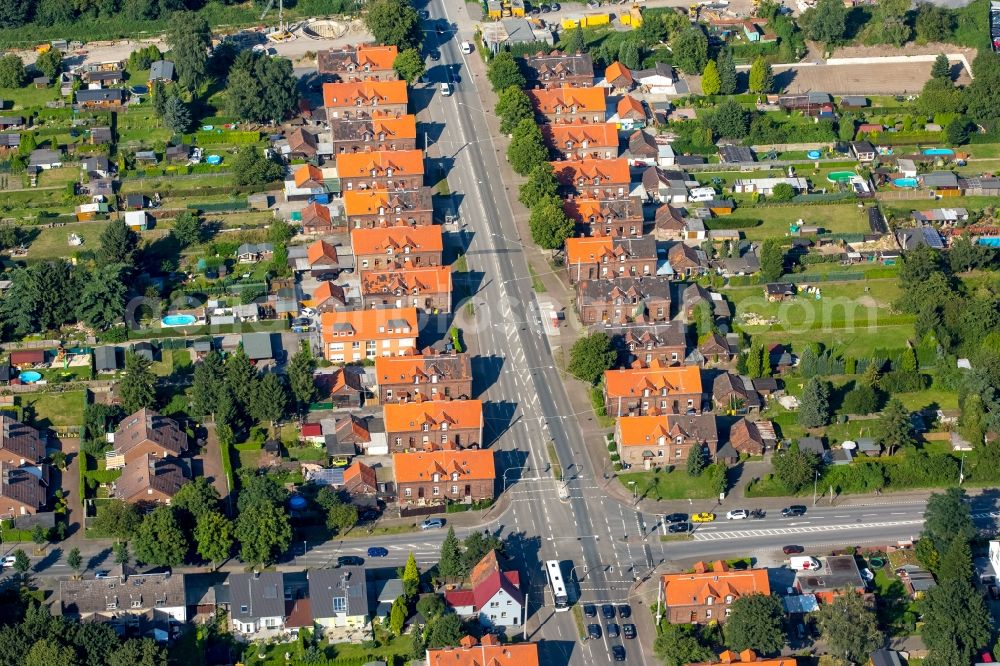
(793, 550)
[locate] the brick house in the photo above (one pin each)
(363, 62)
(23, 490)
(360, 479)
(664, 343)
(360, 99)
(342, 387)
(622, 300)
(317, 219)
(431, 376)
(582, 140)
(426, 288)
(605, 257)
(607, 217)
(433, 477)
(596, 178)
(147, 433)
(735, 393)
(20, 444)
(434, 424)
(149, 480)
(653, 390)
(558, 69)
(357, 335)
(570, 104)
(706, 595)
(383, 169)
(664, 439)
(379, 131)
(746, 437)
(397, 247)
(367, 209)
(687, 261)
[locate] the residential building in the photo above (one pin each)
(426, 288)
(23, 490)
(567, 103)
(582, 140)
(646, 150)
(147, 433)
(362, 99)
(317, 219)
(687, 261)
(606, 217)
(597, 178)
(20, 444)
(338, 597)
(606, 257)
(363, 62)
(622, 300)
(707, 595)
(366, 209)
(558, 69)
(434, 424)
(253, 253)
(343, 387)
(150, 480)
(492, 594)
(653, 390)
(666, 186)
(659, 80)
(670, 224)
(618, 78)
(108, 359)
(728, 657)
(132, 603)
(307, 181)
(863, 151)
(433, 477)
(397, 247)
(256, 602)
(664, 439)
(430, 376)
(302, 144)
(664, 343)
(765, 186)
(161, 71)
(100, 98)
(383, 169)
(717, 348)
(359, 433)
(356, 335)
(836, 575)
(45, 158)
(776, 292)
(330, 297)
(360, 479)
(735, 394)
(630, 114)
(378, 131)
(694, 295)
(321, 257)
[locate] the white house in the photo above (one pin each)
(137, 220)
(492, 594)
(765, 186)
(257, 602)
(659, 80)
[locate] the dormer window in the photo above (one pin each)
(444, 426)
(437, 477)
(709, 601)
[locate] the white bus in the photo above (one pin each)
(557, 586)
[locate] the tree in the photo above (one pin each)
(430, 606)
(849, 627)
(782, 192)
(117, 519)
(261, 88)
(696, 460)
(690, 50)
(39, 535)
(727, 72)
(795, 468)
(411, 577)
(213, 534)
(956, 562)
(541, 183)
(301, 379)
(190, 40)
(941, 96)
(269, 399)
(826, 22)
(630, 53)
(160, 541)
(576, 41)
(845, 127)
(257, 489)
(814, 406)
(941, 69)
(513, 106)
(956, 622)
(677, 645)
(711, 83)
(947, 519)
(397, 616)
(241, 377)
(761, 76)
(12, 73)
(504, 73)
(957, 132)
(590, 356)
(196, 498)
(208, 384)
(444, 631)
(176, 116)
(101, 302)
(21, 561)
(730, 120)
(48, 652)
(933, 23)
(394, 22)
(253, 168)
(550, 227)
(120, 553)
(75, 561)
(477, 545)
(137, 387)
(187, 228)
(263, 533)
(527, 148)
(755, 623)
(772, 260)
(341, 516)
(860, 400)
(894, 430)
(138, 652)
(450, 564)
(409, 64)
(50, 63)
(119, 245)
(280, 231)
(888, 24)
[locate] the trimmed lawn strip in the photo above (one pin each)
(673, 485)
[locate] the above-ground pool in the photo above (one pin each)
(840, 176)
(29, 376)
(213, 160)
(297, 502)
(813, 154)
(178, 320)
(938, 151)
(904, 182)
(990, 241)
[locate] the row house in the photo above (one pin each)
(707, 593)
(131, 603)
(594, 177)
(146, 433)
(623, 299)
(606, 257)
(379, 131)
(362, 99)
(150, 481)
(735, 394)
(397, 247)
(486, 652)
(430, 376)
(426, 478)
(383, 169)
(569, 104)
(366, 209)
(434, 424)
(655, 389)
(664, 342)
(558, 69)
(581, 140)
(318, 219)
(364, 62)
(20, 444)
(606, 217)
(664, 439)
(426, 288)
(352, 336)
(666, 185)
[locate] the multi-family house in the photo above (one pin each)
(606, 257)
(486, 652)
(366, 209)
(492, 594)
(146, 433)
(363, 62)
(434, 425)
(595, 178)
(384, 248)
(653, 390)
(358, 335)
(608, 217)
(149, 480)
(23, 490)
(582, 140)
(664, 439)
(379, 131)
(433, 477)
(430, 376)
(360, 99)
(558, 69)
(132, 603)
(20, 444)
(707, 594)
(622, 300)
(664, 343)
(427, 288)
(570, 104)
(256, 602)
(383, 169)
(338, 597)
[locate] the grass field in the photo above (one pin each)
(52, 241)
(676, 484)
(28, 96)
(61, 409)
(837, 218)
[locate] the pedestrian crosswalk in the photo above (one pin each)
(705, 535)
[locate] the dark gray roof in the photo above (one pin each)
(660, 335)
(161, 69)
(100, 95)
(10, 140)
(646, 287)
(149, 591)
(107, 359)
(940, 179)
(862, 147)
(44, 156)
(734, 154)
(338, 591)
(255, 596)
(258, 346)
(854, 100)
(814, 444)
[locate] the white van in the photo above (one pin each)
(446, 89)
(804, 563)
(466, 47)
(702, 194)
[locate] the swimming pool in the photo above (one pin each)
(140, 90)
(904, 182)
(29, 376)
(938, 151)
(213, 160)
(813, 154)
(991, 241)
(840, 176)
(178, 320)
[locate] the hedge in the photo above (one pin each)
(908, 138)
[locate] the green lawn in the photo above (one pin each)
(60, 409)
(837, 218)
(28, 96)
(662, 485)
(52, 242)
(857, 303)
(858, 341)
(174, 361)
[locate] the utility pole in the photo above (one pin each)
(815, 481)
(961, 470)
(659, 604)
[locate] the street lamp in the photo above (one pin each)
(815, 481)
(510, 469)
(635, 496)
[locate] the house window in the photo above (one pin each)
(494, 604)
(436, 491)
(340, 604)
(729, 598)
(677, 454)
(709, 601)
(408, 492)
(728, 611)
(708, 614)
(244, 609)
(454, 490)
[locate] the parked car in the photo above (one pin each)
(679, 528)
(618, 652)
(350, 561)
(793, 510)
(432, 524)
(608, 611)
(793, 550)
(8, 561)
(737, 514)
(628, 630)
(594, 631)
(590, 610)
(703, 517)
(624, 611)
(613, 630)
(99, 575)
(675, 518)
(378, 551)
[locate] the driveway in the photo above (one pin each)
(69, 482)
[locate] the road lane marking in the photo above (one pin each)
(743, 534)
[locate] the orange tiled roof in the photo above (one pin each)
(376, 241)
(694, 589)
(325, 291)
(616, 70)
(585, 100)
(608, 171)
(629, 104)
(320, 249)
(748, 657)
(307, 172)
(390, 324)
(393, 126)
(378, 56)
(422, 280)
(317, 211)
(633, 381)
(362, 471)
(470, 654)
(369, 202)
(401, 162)
(647, 430)
(587, 249)
(407, 416)
(421, 466)
(369, 92)
(596, 135)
